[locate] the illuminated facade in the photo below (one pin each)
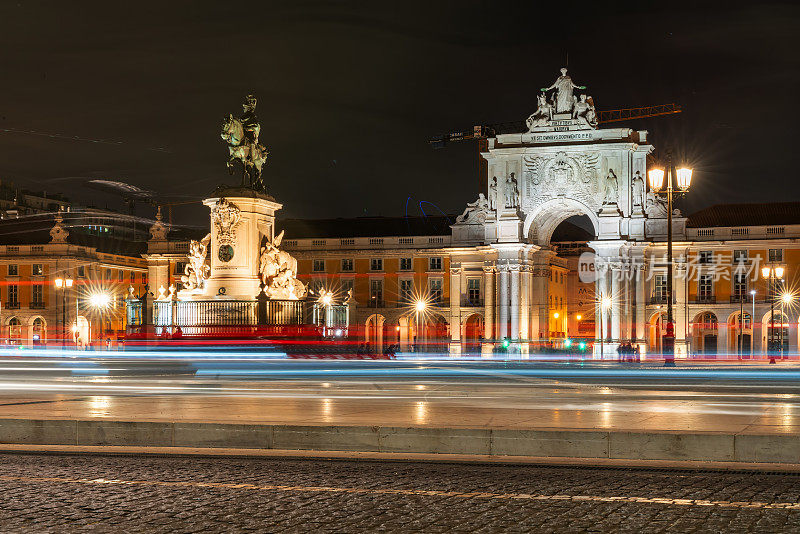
(36, 310)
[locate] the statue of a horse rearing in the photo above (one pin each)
(251, 154)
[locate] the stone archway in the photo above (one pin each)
(373, 332)
(473, 332)
(38, 327)
(541, 222)
(705, 332)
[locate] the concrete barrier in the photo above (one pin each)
(590, 444)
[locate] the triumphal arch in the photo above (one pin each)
(563, 165)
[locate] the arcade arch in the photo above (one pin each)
(38, 330)
(704, 331)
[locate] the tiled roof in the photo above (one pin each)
(365, 227)
(768, 214)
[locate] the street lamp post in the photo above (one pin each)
(62, 284)
(684, 179)
(771, 274)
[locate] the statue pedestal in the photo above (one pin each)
(509, 226)
(609, 219)
(241, 219)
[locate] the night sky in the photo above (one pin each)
(350, 92)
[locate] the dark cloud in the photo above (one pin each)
(135, 92)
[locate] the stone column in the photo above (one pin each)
(600, 291)
(616, 284)
(488, 303)
(524, 316)
(679, 306)
(502, 305)
(641, 303)
(514, 274)
(455, 303)
(722, 337)
(792, 329)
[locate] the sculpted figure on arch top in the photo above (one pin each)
(564, 87)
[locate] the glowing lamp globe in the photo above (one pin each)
(684, 178)
(656, 178)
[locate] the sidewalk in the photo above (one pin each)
(550, 427)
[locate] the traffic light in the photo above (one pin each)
(506, 343)
(567, 343)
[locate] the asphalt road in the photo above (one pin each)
(63, 493)
(723, 396)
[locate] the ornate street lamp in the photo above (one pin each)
(62, 284)
(684, 180)
(768, 272)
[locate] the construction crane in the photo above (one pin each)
(614, 115)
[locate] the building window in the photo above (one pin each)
(13, 269)
(36, 269)
(739, 255)
(474, 290)
(318, 266)
(406, 291)
(180, 267)
(120, 275)
(376, 264)
(405, 264)
(775, 254)
(144, 278)
(705, 286)
(376, 292)
(81, 271)
(109, 274)
(13, 294)
(436, 290)
(347, 264)
(133, 277)
(435, 264)
(739, 285)
(706, 256)
(37, 294)
(660, 288)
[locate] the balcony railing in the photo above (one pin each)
(376, 303)
(12, 305)
(705, 299)
(736, 299)
(472, 303)
(37, 305)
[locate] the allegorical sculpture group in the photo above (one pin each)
(562, 101)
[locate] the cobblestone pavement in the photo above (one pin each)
(65, 493)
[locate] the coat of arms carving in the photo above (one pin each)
(226, 216)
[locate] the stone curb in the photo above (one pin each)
(509, 443)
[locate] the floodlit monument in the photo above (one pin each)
(237, 276)
(562, 166)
